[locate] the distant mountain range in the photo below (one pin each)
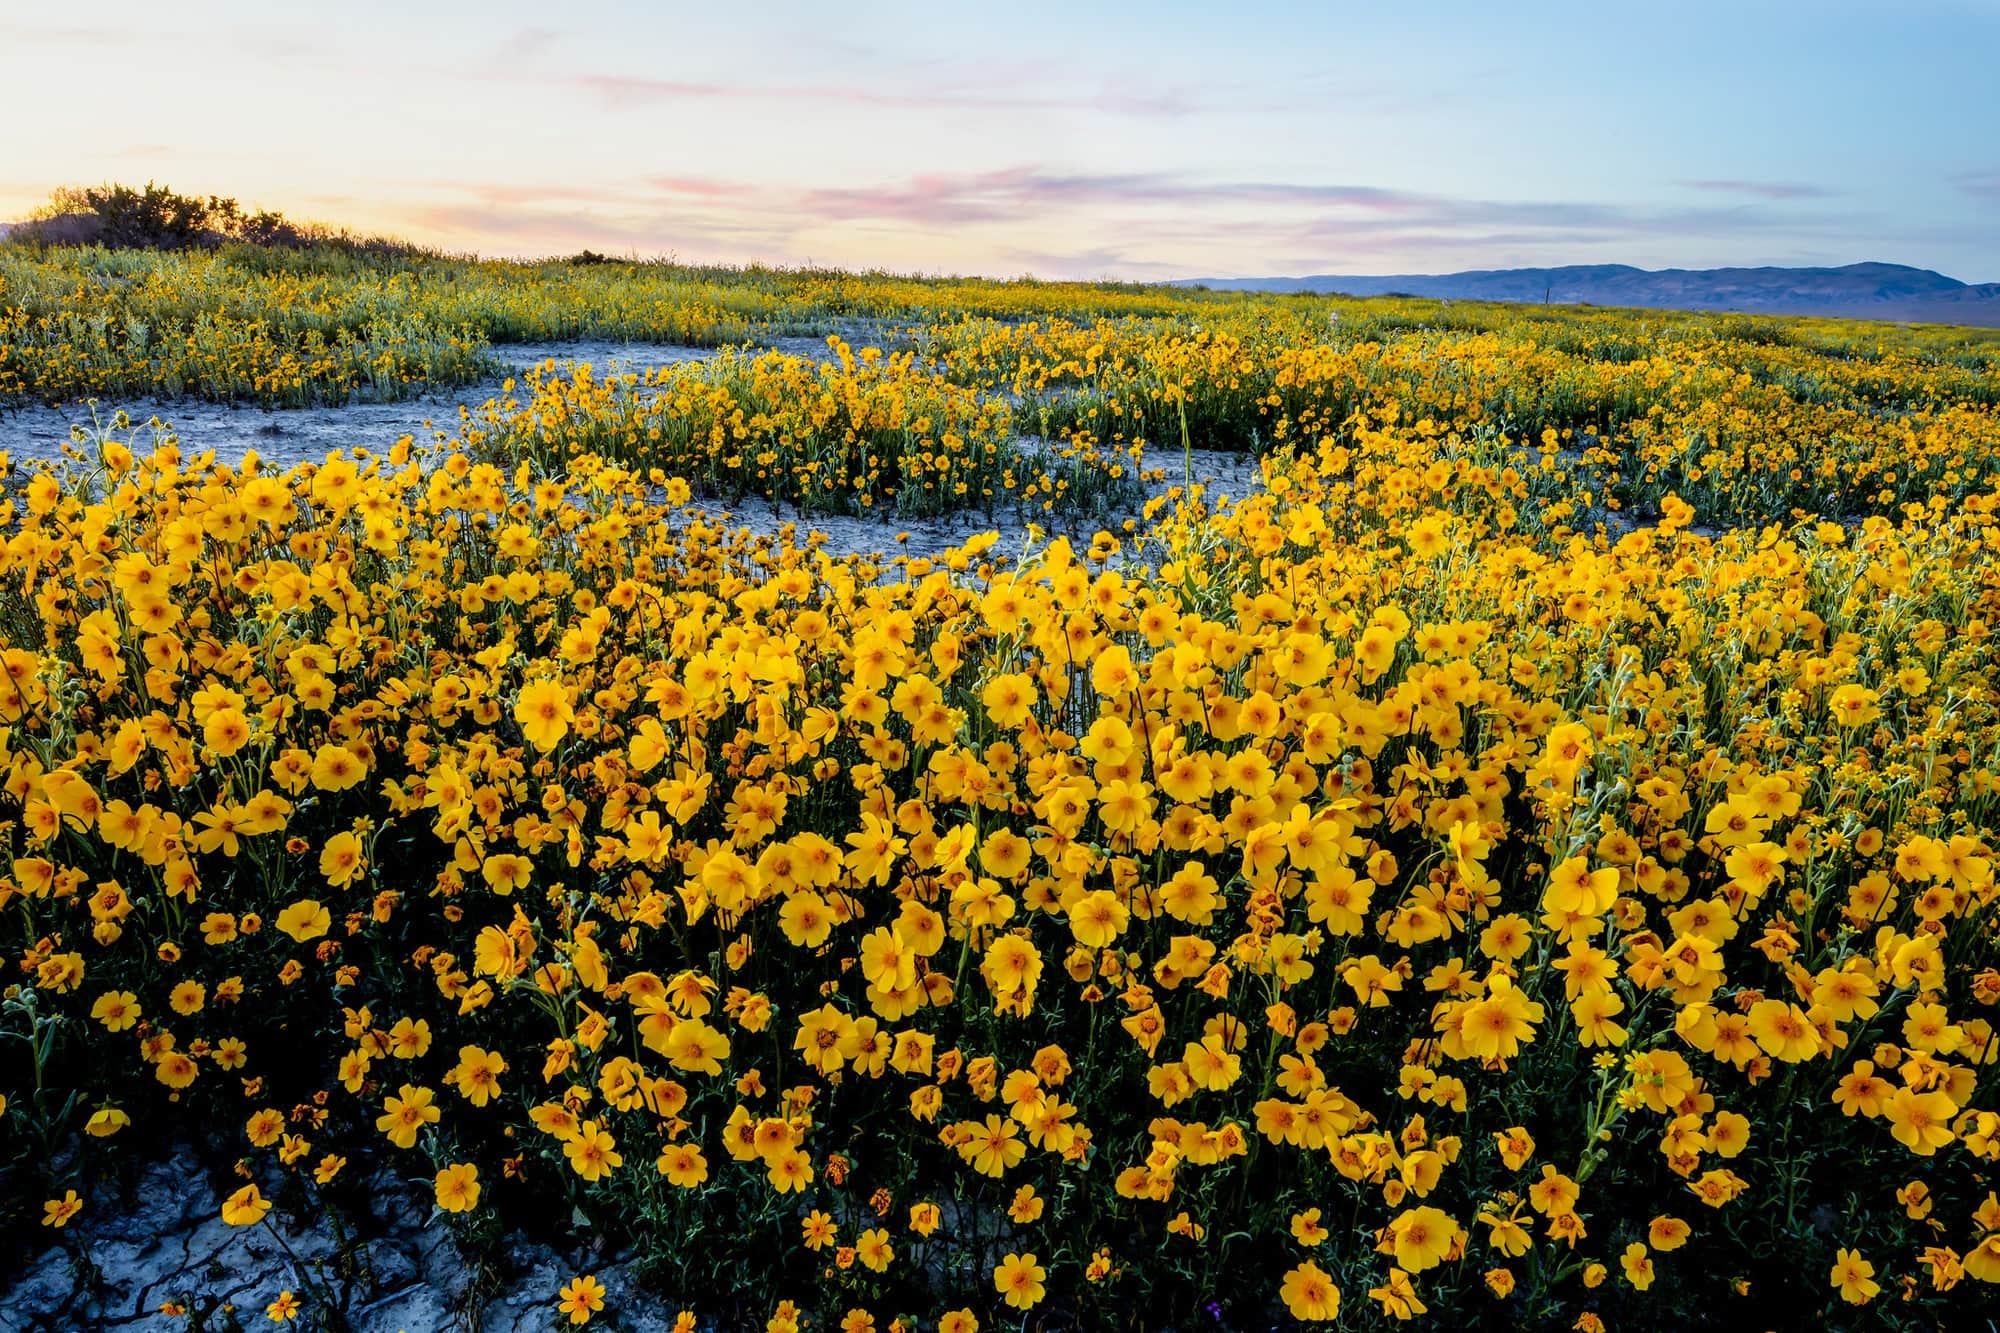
(1865, 291)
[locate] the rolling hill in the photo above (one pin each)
(1865, 291)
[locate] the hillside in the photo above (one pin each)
(1869, 291)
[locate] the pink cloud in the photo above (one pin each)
(939, 199)
(1073, 224)
(702, 187)
(1773, 190)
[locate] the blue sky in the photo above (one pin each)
(1059, 139)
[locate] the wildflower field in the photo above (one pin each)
(1529, 865)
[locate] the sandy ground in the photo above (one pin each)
(386, 1268)
(288, 436)
(1223, 474)
(292, 435)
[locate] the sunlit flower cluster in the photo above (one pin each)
(856, 433)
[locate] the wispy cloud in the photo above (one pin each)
(1131, 224)
(626, 91)
(701, 187)
(530, 43)
(1773, 190)
(1979, 184)
(946, 199)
